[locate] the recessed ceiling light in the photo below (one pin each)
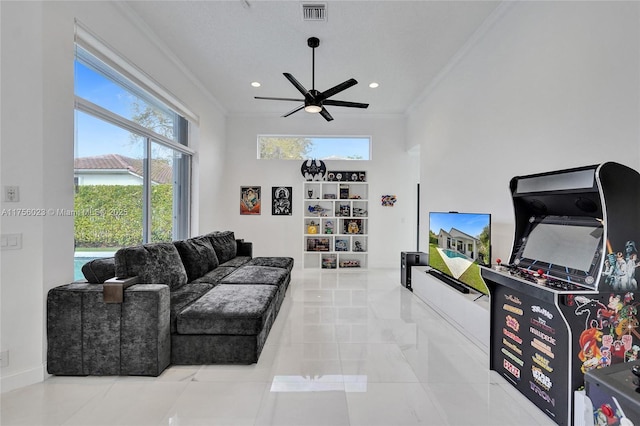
(255, 84)
(373, 85)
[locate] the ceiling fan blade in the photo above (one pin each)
(337, 89)
(345, 104)
(278, 99)
(325, 114)
(296, 83)
(294, 110)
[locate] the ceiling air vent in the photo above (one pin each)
(314, 12)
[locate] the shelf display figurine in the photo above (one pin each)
(351, 263)
(317, 210)
(328, 227)
(345, 210)
(358, 212)
(312, 228)
(353, 227)
(342, 245)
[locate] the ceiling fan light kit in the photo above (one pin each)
(314, 100)
(313, 108)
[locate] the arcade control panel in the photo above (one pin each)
(538, 277)
(614, 393)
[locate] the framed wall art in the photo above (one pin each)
(281, 198)
(388, 200)
(250, 201)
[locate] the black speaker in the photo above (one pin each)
(407, 260)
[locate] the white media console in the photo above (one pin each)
(468, 312)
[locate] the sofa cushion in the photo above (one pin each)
(276, 262)
(224, 243)
(197, 255)
(250, 274)
(97, 271)
(229, 309)
(215, 276)
(236, 261)
(155, 263)
(183, 297)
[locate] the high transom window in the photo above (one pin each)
(279, 147)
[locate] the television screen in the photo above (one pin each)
(458, 244)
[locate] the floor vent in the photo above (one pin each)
(314, 12)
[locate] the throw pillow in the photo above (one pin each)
(197, 255)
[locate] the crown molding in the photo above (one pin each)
(152, 36)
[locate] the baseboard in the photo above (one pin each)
(469, 313)
(22, 378)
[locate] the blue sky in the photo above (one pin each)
(95, 137)
(343, 147)
(469, 223)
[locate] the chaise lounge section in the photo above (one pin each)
(204, 300)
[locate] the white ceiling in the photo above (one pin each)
(226, 45)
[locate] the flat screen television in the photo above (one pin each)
(458, 244)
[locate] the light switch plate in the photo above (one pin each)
(11, 241)
(11, 194)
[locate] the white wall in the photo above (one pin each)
(37, 45)
(391, 171)
(116, 178)
(550, 85)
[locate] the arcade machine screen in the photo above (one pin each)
(562, 248)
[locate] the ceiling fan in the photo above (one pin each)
(314, 100)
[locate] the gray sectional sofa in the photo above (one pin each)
(204, 300)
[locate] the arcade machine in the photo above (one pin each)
(566, 302)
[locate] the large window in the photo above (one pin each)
(132, 164)
(274, 147)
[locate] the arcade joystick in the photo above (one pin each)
(607, 410)
(540, 278)
(499, 266)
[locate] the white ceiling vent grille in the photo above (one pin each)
(314, 11)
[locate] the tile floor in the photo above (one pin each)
(348, 348)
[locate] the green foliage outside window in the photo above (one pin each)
(272, 148)
(110, 216)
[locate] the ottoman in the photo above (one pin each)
(229, 324)
(269, 275)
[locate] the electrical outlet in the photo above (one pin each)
(11, 193)
(4, 358)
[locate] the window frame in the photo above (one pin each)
(183, 180)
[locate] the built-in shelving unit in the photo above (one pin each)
(335, 225)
